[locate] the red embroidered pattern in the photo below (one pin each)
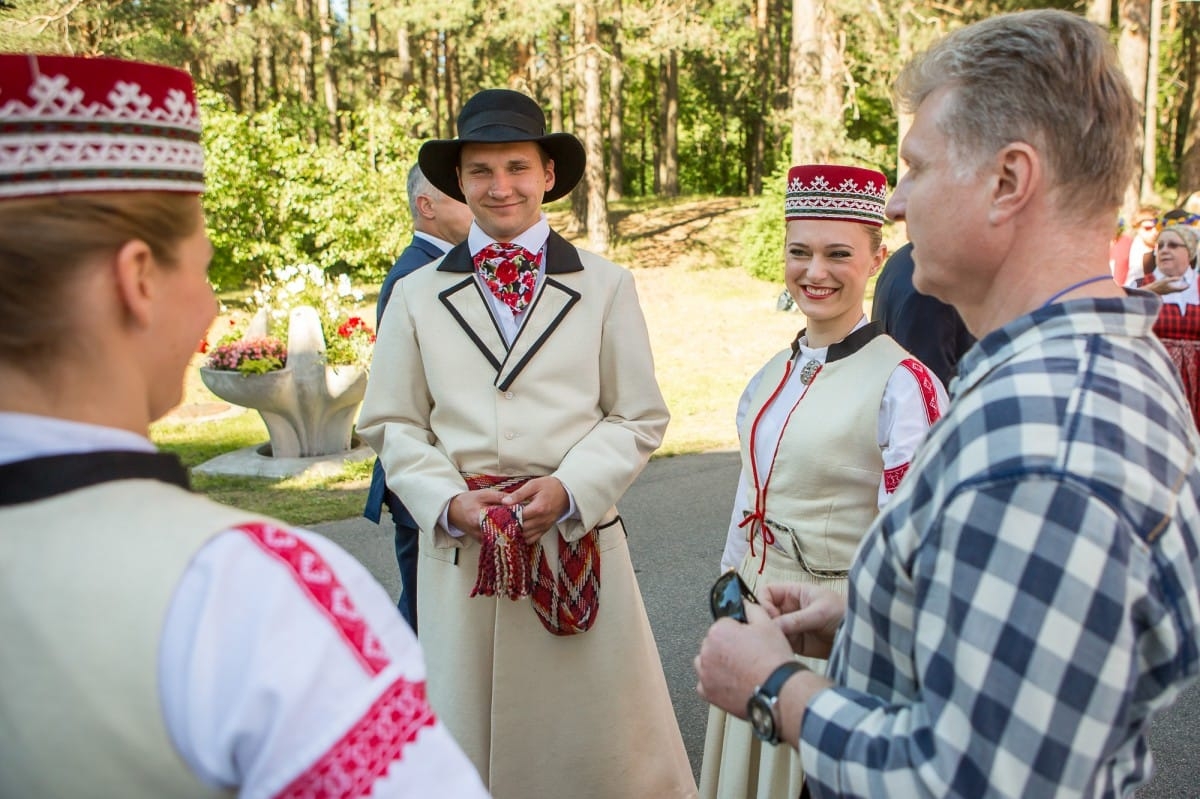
(893, 476)
(322, 586)
(925, 380)
(366, 752)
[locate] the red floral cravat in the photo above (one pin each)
(510, 271)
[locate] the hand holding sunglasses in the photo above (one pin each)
(729, 595)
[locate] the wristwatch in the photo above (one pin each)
(763, 707)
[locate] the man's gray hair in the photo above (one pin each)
(417, 185)
(1048, 78)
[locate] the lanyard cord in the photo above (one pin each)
(1074, 286)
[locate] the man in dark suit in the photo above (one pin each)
(925, 326)
(439, 222)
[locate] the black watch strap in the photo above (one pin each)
(772, 685)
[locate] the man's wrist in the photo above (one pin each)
(763, 707)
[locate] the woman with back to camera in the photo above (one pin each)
(827, 429)
(157, 643)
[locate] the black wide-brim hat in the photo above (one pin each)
(502, 115)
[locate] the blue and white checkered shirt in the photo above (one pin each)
(1029, 598)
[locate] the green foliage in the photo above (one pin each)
(274, 198)
(297, 500)
(260, 366)
(762, 236)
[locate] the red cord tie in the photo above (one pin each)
(758, 522)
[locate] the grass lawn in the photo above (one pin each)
(711, 326)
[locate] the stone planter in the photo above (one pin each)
(308, 407)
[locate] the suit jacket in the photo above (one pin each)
(575, 396)
(418, 253)
(925, 326)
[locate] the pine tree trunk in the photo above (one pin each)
(1189, 134)
(670, 145)
(329, 69)
(306, 67)
(579, 196)
(228, 71)
(1133, 45)
(1100, 12)
(1150, 119)
(375, 68)
(616, 112)
(593, 135)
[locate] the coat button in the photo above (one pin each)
(508, 395)
(510, 436)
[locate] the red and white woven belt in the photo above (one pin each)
(565, 596)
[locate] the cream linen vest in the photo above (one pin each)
(85, 581)
(824, 485)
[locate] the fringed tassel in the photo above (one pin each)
(505, 560)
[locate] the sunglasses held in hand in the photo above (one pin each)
(729, 595)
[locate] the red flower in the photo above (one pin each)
(506, 273)
(203, 348)
(352, 326)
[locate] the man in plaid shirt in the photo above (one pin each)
(1029, 598)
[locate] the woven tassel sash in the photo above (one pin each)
(567, 598)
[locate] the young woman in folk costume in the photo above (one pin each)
(827, 429)
(157, 643)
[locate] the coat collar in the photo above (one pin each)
(553, 301)
(561, 257)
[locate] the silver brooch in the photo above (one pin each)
(809, 372)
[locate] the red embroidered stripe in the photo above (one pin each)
(322, 586)
(925, 380)
(893, 476)
(366, 752)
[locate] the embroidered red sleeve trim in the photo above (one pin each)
(893, 476)
(321, 585)
(925, 380)
(366, 752)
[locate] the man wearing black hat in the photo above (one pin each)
(514, 402)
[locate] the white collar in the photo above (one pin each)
(1186, 297)
(533, 238)
(24, 435)
(819, 354)
(441, 244)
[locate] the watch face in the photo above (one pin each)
(761, 719)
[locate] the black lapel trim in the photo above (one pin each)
(458, 259)
(574, 297)
(847, 346)
(561, 256)
(51, 475)
(445, 295)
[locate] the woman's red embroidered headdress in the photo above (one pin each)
(70, 124)
(829, 191)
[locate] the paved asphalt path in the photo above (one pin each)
(677, 513)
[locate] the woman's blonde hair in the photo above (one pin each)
(45, 242)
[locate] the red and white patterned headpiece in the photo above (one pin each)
(829, 191)
(71, 125)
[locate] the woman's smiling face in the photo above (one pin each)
(826, 268)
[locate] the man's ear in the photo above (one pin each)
(1017, 179)
(549, 174)
(134, 271)
(425, 206)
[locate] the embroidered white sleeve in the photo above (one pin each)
(268, 668)
(903, 422)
